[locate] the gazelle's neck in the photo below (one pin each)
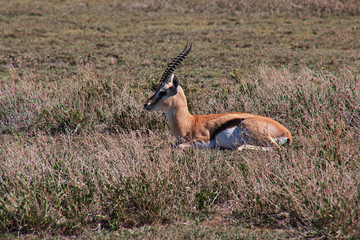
(178, 116)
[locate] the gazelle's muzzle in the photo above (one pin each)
(147, 105)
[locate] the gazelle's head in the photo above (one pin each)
(168, 86)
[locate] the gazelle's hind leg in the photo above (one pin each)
(272, 142)
(253, 147)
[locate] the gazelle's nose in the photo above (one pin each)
(147, 104)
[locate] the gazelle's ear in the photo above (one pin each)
(176, 81)
(175, 88)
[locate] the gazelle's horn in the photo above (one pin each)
(174, 64)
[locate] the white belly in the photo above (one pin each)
(231, 138)
(234, 137)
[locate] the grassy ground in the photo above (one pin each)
(81, 157)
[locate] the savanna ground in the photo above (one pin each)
(80, 157)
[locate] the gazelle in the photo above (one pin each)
(224, 131)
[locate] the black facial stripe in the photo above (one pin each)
(155, 99)
(162, 93)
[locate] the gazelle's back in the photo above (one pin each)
(231, 130)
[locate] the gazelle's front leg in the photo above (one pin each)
(181, 145)
(194, 144)
(185, 145)
(253, 147)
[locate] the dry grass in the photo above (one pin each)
(76, 179)
(79, 154)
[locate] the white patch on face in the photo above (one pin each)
(158, 99)
(162, 93)
(231, 138)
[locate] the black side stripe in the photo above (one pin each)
(229, 124)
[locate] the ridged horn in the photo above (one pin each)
(174, 64)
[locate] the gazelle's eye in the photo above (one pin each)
(162, 93)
